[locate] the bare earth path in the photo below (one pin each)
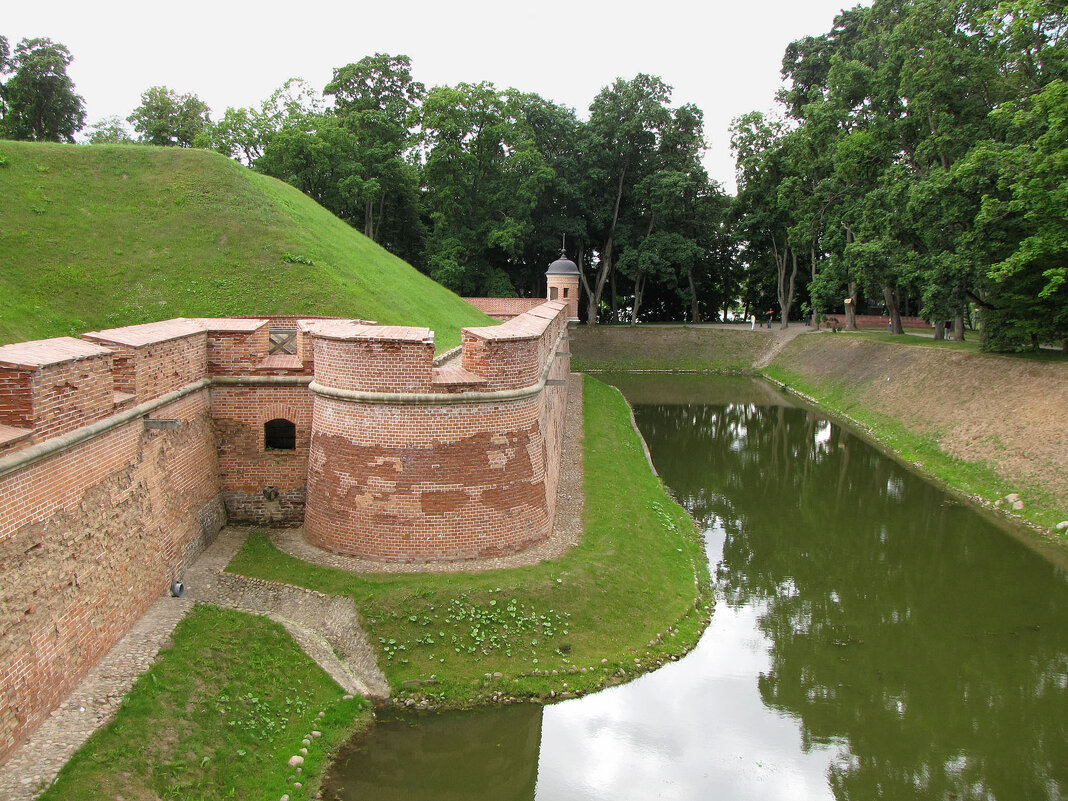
(326, 628)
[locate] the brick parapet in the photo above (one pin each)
(51, 386)
(366, 358)
(407, 462)
(515, 354)
(153, 359)
(504, 308)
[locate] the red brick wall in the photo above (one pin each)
(16, 406)
(69, 395)
(426, 482)
(88, 539)
(167, 366)
(880, 321)
(505, 308)
(375, 364)
(406, 480)
(237, 352)
(91, 535)
(246, 468)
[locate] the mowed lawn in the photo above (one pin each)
(110, 235)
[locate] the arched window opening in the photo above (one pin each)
(279, 435)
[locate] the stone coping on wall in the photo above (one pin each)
(48, 352)
(144, 334)
(529, 325)
(351, 330)
(236, 325)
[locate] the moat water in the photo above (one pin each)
(873, 638)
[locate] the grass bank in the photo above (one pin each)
(217, 716)
(104, 236)
(699, 349)
(634, 593)
(987, 426)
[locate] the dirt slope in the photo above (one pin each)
(1010, 413)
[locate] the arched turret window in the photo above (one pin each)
(279, 435)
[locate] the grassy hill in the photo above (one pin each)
(103, 236)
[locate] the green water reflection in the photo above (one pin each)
(896, 644)
(484, 753)
(901, 622)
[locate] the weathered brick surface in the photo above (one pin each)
(416, 482)
(91, 534)
(406, 481)
(88, 539)
(246, 467)
(505, 308)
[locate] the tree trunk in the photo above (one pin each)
(695, 306)
(614, 298)
(380, 215)
(958, 328)
(815, 308)
(605, 267)
(639, 288)
(786, 288)
(593, 295)
(939, 330)
(851, 308)
(893, 301)
(369, 219)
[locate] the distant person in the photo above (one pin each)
(946, 327)
(771, 315)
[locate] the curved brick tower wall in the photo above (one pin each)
(409, 462)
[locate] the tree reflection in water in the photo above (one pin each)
(907, 628)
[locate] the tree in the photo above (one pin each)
(484, 177)
(377, 100)
(1021, 229)
(38, 101)
(109, 131)
(323, 162)
(768, 191)
(166, 118)
(627, 120)
(243, 133)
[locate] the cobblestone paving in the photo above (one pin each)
(567, 526)
(34, 764)
(326, 628)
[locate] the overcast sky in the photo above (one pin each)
(722, 56)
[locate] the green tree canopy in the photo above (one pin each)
(38, 101)
(109, 131)
(166, 118)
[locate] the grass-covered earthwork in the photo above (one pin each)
(632, 594)
(110, 235)
(217, 716)
(651, 347)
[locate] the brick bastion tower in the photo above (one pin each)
(409, 461)
(123, 452)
